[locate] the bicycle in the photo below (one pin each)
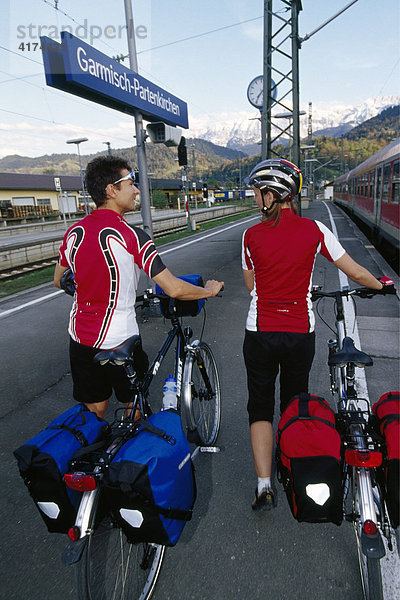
(362, 474)
(108, 566)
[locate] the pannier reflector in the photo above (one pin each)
(131, 516)
(363, 458)
(50, 509)
(319, 492)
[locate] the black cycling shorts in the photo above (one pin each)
(265, 354)
(95, 383)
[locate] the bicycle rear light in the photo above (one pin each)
(370, 528)
(80, 482)
(363, 458)
(74, 533)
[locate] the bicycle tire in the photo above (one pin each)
(370, 568)
(202, 406)
(371, 576)
(111, 568)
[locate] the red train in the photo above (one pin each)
(371, 192)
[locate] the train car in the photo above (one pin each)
(371, 193)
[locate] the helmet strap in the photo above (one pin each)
(265, 210)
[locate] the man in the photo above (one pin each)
(106, 255)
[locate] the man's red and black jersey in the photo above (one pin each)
(106, 256)
(282, 258)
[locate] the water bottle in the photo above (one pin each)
(170, 392)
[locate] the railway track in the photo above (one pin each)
(38, 265)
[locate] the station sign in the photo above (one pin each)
(76, 67)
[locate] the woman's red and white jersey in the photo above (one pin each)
(106, 256)
(282, 258)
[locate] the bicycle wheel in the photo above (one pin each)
(111, 568)
(202, 395)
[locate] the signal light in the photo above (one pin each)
(370, 527)
(74, 533)
(182, 153)
(363, 458)
(80, 482)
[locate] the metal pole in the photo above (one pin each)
(140, 135)
(266, 109)
(296, 102)
(82, 182)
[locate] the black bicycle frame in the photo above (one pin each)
(175, 332)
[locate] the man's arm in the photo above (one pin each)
(58, 273)
(249, 279)
(357, 273)
(177, 288)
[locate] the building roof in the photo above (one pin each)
(27, 181)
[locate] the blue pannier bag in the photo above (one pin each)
(149, 486)
(43, 461)
(171, 307)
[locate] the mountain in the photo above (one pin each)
(241, 131)
(161, 160)
(339, 153)
(225, 163)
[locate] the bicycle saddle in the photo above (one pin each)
(349, 354)
(120, 355)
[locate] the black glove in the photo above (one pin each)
(388, 286)
(67, 282)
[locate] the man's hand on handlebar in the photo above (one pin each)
(214, 286)
(67, 282)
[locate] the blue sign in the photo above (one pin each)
(75, 67)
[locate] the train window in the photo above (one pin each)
(378, 183)
(396, 183)
(371, 184)
(386, 182)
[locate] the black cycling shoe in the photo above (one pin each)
(264, 501)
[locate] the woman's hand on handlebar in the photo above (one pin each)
(388, 286)
(214, 287)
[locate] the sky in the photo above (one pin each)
(353, 58)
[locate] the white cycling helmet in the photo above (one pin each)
(277, 175)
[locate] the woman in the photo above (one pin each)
(278, 257)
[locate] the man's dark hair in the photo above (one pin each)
(100, 172)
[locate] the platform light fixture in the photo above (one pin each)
(79, 141)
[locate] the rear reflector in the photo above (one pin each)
(370, 528)
(74, 533)
(80, 482)
(363, 458)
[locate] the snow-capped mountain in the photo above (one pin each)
(238, 130)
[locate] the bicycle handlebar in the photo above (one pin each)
(149, 296)
(362, 292)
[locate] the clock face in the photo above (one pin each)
(255, 92)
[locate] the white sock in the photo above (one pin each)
(264, 483)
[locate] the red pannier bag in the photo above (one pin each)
(308, 460)
(387, 411)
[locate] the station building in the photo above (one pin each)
(28, 197)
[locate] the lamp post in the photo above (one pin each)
(108, 144)
(78, 141)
